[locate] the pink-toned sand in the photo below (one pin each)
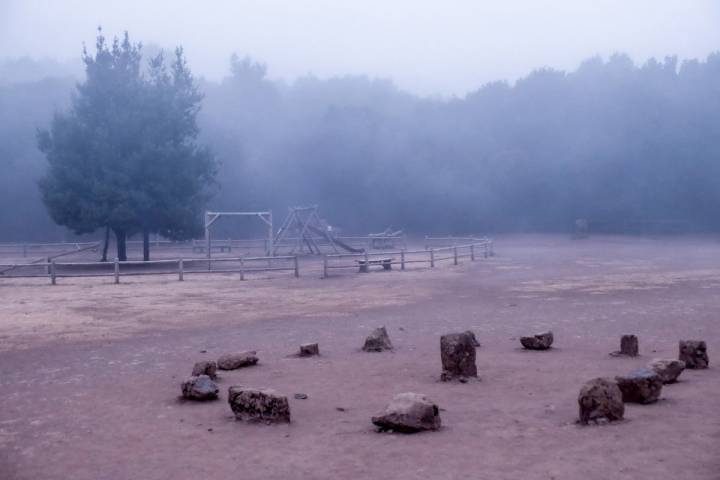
(90, 371)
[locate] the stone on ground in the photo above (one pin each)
(377, 341)
(628, 346)
(409, 413)
(669, 370)
(694, 353)
(231, 361)
(258, 405)
(539, 341)
(640, 386)
(309, 350)
(199, 387)
(457, 353)
(208, 368)
(600, 400)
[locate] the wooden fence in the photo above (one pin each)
(180, 267)
(53, 270)
(403, 258)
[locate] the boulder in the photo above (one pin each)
(377, 341)
(231, 361)
(258, 405)
(539, 341)
(208, 368)
(457, 353)
(640, 386)
(628, 346)
(669, 370)
(309, 350)
(199, 387)
(474, 338)
(694, 353)
(600, 400)
(409, 413)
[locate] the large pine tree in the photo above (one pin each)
(125, 156)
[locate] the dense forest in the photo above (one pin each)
(630, 147)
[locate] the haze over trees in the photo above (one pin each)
(627, 146)
(124, 157)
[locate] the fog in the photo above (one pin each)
(425, 47)
(462, 119)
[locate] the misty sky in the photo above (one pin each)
(428, 47)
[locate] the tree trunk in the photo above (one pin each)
(121, 236)
(105, 244)
(146, 245)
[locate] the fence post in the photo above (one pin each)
(52, 273)
(117, 271)
(426, 242)
(297, 266)
(180, 270)
(485, 253)
(242, 268)
(455, 258)
(24, 249)
(432, 258)
(325, 266)
(402, 259)
(49, 260)
(472, 252)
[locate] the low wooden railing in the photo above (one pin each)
(403, 258)
(54, 270)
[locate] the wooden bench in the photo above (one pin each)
(364, 265)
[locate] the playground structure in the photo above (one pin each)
(212, 217)
(303, 228)
(302, 231)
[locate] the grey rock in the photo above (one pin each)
(457, 353)
(640, 386)
(232, 361)
(199, 387)
(208, 368)
(377, 341)
(258, 405)
(694, 354)
(628, 346)
(300, 396)
(669, 370)
(408, 413)
(539, 341)
(600, 400)
(309, 350)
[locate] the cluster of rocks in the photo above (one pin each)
(603, 399)
(600, 400)
(248, 404)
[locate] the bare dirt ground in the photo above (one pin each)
(90, 371)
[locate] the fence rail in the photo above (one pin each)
(54, 270)
(431, 256)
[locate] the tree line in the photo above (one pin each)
(626, 146)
